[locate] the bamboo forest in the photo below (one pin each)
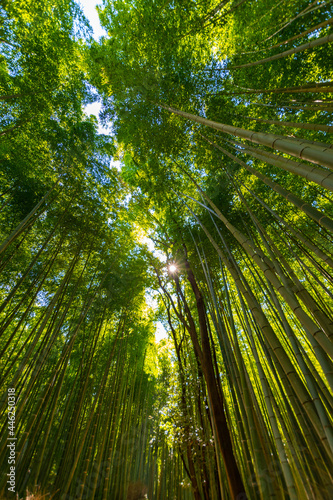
(166, 293)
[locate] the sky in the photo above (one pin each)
(89, 10)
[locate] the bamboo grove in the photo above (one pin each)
(220, 116)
